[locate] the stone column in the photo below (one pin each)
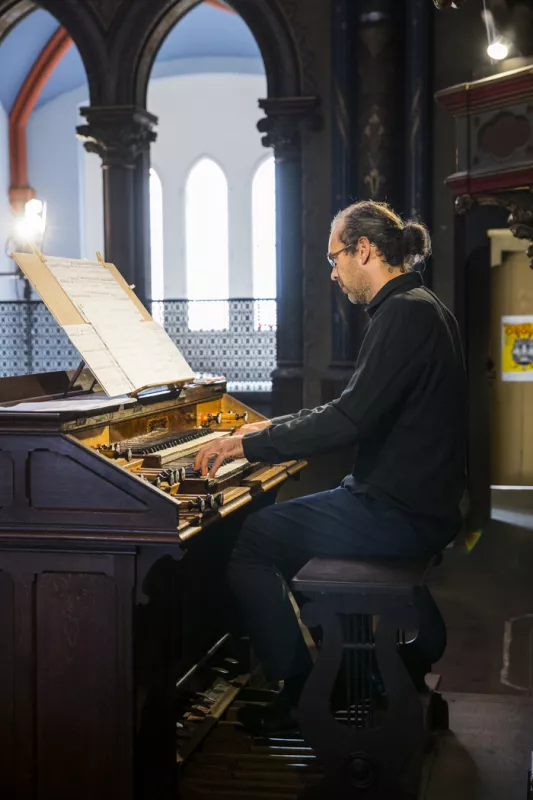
(348, 321)
(418, 155)
(367, 139)
(281, 129)
(417, 109)
(121, 135)
(379, 52)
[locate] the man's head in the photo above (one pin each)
(369, 244)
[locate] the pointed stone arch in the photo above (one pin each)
(80, 24)
(142, 34)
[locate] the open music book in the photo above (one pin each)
(125, 349)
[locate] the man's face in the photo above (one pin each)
(349, 271)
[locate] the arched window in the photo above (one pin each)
(156, 236)
(264, 243)
(206, 243)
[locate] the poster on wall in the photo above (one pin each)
(517, 348)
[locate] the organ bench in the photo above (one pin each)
(370, 707)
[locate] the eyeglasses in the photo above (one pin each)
(332, 257)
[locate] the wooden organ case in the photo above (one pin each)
(113, 611)
(115, 627)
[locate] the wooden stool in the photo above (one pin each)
(372, 743)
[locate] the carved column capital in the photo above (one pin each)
(118, 134)
(520, 205)
(285, 117)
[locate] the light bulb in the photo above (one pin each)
(34, 206)
(29, 228)
(498, 49)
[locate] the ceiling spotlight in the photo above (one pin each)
(498, 49)
(440, 4)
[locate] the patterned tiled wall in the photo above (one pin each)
(244, 351)
(14, 321)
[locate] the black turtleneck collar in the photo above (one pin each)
(402, 283)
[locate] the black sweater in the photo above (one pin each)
(404, 408)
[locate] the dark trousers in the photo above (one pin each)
(276, 542)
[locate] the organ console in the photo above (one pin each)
(119, 645)
(114, 626)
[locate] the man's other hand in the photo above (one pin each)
(225, 447)
(252, 427)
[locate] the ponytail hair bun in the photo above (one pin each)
(416, 243)
(399, 244)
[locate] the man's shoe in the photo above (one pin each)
(277, 718)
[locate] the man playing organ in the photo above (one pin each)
(404, 412)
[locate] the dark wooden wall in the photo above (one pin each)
(461, 260)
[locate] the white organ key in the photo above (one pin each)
(167, 454)
(239, 463)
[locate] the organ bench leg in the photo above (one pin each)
(372, 744)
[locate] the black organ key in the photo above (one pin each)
(151, 446)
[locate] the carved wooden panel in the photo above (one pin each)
(50, 480)
(6, 479)
(494, 133)
(504, 133)
(76, 684)
(73, 482)
(6, 685)
(66, 711)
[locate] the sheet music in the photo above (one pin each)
(100, 361)
(125, 351)
(146, 353)
(91, 403)
(85, 281)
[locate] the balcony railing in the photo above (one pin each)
(234, 338)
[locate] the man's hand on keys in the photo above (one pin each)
(252, 427)
(226, 447)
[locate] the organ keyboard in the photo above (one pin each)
(153, 442)
(113, 607)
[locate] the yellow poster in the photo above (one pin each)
(517, 348)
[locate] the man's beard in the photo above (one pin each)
(361, 293)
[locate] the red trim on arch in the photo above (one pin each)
(219, 5)
(19, 191)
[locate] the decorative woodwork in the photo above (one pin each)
(494, 135)
(112, 591)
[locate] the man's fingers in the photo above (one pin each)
(218, 462)
(222, 449)
(204, 465)
(201, 461)
(198, 459)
